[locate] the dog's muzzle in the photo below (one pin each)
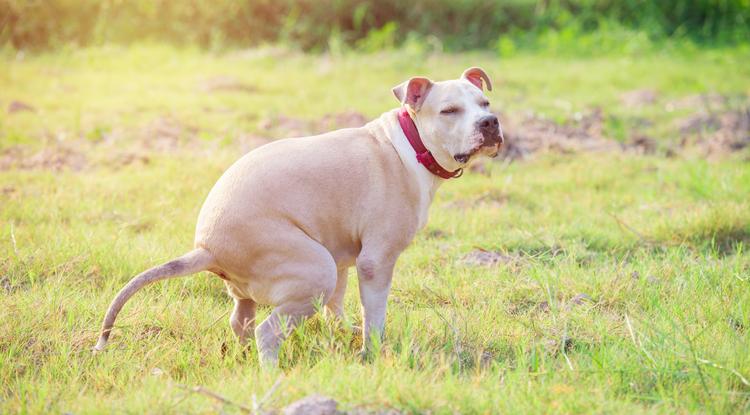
(492, 134)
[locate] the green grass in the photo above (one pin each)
(660, 245)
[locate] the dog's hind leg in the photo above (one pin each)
(335, 306)
(242, 319)
(304, 285)
(277, 327)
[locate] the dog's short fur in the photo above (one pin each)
(286, 221)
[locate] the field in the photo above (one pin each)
(600, 266)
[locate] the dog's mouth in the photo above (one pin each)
(463, 158)
(493, 147)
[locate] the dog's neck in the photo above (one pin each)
(426, 181)
(424, 156)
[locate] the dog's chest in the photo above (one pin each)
(426, 194)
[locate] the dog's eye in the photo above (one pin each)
(484, 104)
(449, 110)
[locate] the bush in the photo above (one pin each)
(310, 24)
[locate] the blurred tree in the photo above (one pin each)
(309, 24)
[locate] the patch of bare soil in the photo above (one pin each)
(638, 98)
(719, 126)
(225, 84)
(346, 119)
(166, 134)
(20, 106)
(491, 199)
(6, 284)
(483, 257)
(532, 134)
(282, 126)
(716, 134)
(699, 102)
(642, 144)
(163, 135)
(247, 142)
(580, 299)
(120, 160)
(55, 158)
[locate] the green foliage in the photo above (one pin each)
(310, 24)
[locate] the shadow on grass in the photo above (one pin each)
(724, 239)
(722, 242)
(727, 242)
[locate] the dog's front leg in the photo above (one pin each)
(375, 274)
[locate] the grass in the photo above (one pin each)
(624, 286)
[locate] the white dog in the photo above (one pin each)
(286, 221)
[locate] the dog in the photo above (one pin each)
(285, 222)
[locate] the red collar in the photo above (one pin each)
(424, 156)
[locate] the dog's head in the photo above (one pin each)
(453, 117)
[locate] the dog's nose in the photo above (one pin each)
(489, 122)
(489, 126)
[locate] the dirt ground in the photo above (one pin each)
(716, 126)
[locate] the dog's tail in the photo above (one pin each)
(194, 261)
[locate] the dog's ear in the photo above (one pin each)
(413, 92)
(476, 76)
